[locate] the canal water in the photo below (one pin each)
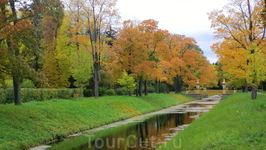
(139, 133)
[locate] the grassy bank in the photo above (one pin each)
(34, 123)
(237, 123)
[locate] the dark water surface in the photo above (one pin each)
(144, 134)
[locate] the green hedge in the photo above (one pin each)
(33, 94)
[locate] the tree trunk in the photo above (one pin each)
(178, 84)
(140, 87)
(129, 93)
(137, 92)
(146, 87)
(17, 90)
(246, 87)
(96, 79)
(254, 93)
(167, 88)
(157, 86)
(264, 85)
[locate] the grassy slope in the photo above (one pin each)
(39, 122)
(236, 123)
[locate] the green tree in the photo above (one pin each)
(81, 67)
(256, 70)
(128, 82)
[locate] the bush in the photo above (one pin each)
(110, 92)
(151, 89)
(102, 91)
(32, 94)
(121, 91)
(87, 93)
(27, 84)
(2, 96)
(162, 88)
(27, 94)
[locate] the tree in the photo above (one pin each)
(130, 52)
(128, 82)
(100, 15)
(239, 27)
(18, 40)
(55, 65)
(256, 69)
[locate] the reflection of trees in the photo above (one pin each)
(148, 133)
(179, 119)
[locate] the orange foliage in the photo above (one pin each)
(150, 53)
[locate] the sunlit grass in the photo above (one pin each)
(35, 123)
(237, 123)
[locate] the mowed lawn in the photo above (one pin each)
(236, 123)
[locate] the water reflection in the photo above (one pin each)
(137, 134)
(148, 134)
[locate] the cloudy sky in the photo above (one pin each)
(188, 17)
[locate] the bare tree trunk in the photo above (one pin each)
(137, 92)
(246, 87)
(178, 84)
(157, 86)
(96, 79)
(146, 87)
(264, 85)
(129, 93)
(17, 90)
(254, 93)
(167, 87)
(140, 87)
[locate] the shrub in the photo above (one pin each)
(27, 84)
(27, 94)
(102, 91)
(110, 92)
(151, 89)
(2, 96)
(121, 91)
(65, 93)
(87, 93)
(162, 88)
(32, 94)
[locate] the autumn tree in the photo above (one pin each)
(154, 41)
(135, 51)
(127, 50)
(174, 65)
(52, 61)
(17, 41)
(94, 18)
(240, 28)
(100, 15)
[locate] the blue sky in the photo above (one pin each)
(188, 17)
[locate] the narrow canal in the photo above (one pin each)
(139, 133)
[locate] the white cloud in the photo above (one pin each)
(188, 17)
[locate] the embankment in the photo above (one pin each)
(236, 123)
(36, 123)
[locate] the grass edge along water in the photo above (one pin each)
(236, 123)
(35, 123)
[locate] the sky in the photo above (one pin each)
(186, 17)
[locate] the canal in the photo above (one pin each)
(144, 132)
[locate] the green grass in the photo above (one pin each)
(237, 123)
(36, 123)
